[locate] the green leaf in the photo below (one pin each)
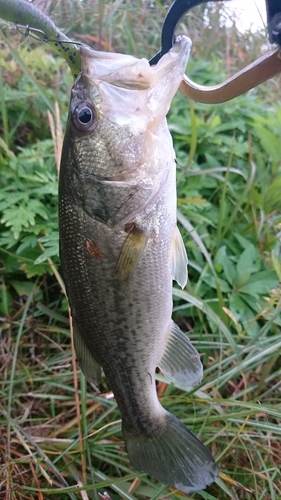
(26, 288)
(37, 208)
(241, 279)
(249, 261)
(18, 218)
(270, 142)
(206, 496)
(9, 198)
(243, 313)
(50, 252)
(32, 269)
(51, 247)
(244, 242)
(29, 241)
(222, 259)
(5, 299)
(260, 283)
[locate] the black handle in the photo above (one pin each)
(273, 10)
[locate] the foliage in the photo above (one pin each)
(234, 175)
(229, 179)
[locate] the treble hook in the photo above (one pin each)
(257, 72)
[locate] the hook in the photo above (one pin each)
(40, 36)
(257, 72)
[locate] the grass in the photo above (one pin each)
(57, 438)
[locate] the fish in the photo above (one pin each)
(121, 249)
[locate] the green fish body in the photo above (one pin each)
(120, 250)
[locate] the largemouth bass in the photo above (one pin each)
(120, 250)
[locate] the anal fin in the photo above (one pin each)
(180, 362)
(179, 259)
(89, 365)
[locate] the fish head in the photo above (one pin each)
(117, 131)
(131, 92)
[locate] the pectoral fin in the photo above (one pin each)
(130, 254)
(181, 362)
(179, 259)
(89, 366)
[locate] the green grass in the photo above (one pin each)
(57, 438)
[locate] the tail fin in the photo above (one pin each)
(175, 457)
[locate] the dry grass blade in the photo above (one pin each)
(57, 133)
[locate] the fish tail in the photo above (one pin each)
(174, 456)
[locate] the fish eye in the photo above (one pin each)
(84, 116)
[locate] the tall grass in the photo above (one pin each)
(58, 439)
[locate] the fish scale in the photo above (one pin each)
(120, 250)
(125, 342)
